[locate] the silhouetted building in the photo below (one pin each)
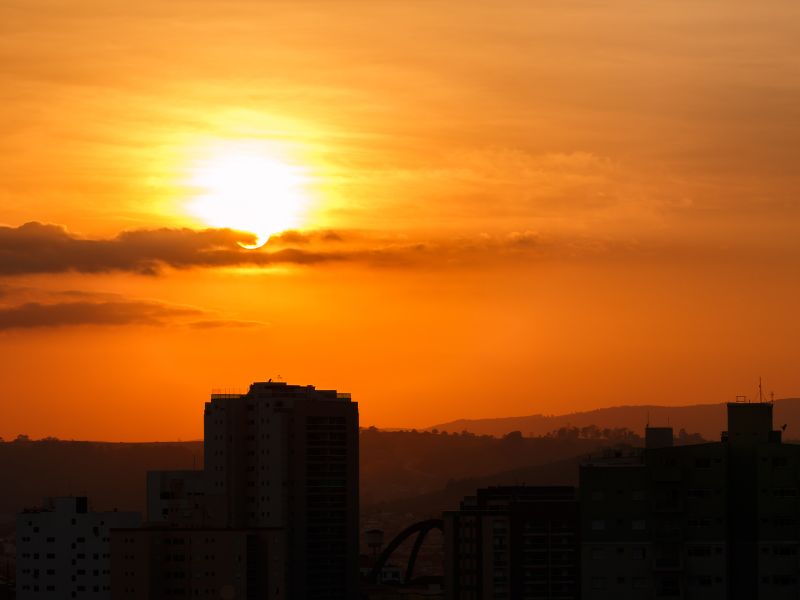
(715, 520)
(177, 498)
(374, 539)
(63, 549)
(207, 563)
(283, 459)
(514, 543)
(8, 568)
(390, 573)
(7, 588)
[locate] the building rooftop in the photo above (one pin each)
(280, 389)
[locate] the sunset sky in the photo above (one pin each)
(493, 208)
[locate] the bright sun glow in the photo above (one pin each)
(249, 189)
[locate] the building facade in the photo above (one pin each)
(514, 543)
(172, 562)
(63, 550)
(716, 520)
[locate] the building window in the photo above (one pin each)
(785, 550)
(598, 525)
(785, 580)
(701, 580)
(598, 583)
(698, 550)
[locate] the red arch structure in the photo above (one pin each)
(421, 529)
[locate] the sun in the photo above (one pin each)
(248, 188)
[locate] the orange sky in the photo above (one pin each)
(502, 208)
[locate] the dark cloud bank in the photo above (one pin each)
(36, 248)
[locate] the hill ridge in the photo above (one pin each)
(707, 419)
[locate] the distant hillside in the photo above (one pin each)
(558, 472)
(705, 419)
(401, 464)
(393, 465)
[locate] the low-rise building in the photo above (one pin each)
(63, 550)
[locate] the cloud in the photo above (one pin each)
(225, 323)
(39, 248)
(38, 315)
(295, 237)
(75, 308)
(36, 248)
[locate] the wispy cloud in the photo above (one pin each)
(38, 315)
(74, 308)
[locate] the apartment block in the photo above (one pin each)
(63, 550)
(705, 521)
(514, 543)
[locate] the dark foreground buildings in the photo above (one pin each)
(274, 513)
(514, 543)
(717, 520)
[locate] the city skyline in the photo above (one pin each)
(274, 512)
(501, 209)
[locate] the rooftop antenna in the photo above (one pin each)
(760, 391)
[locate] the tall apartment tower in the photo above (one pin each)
(273, 514)
(286, 456)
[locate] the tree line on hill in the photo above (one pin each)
(394, 465)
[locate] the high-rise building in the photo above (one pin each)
(281, 468)
(714, 520)
(63, 550)
(513, 543)
(287, 456)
